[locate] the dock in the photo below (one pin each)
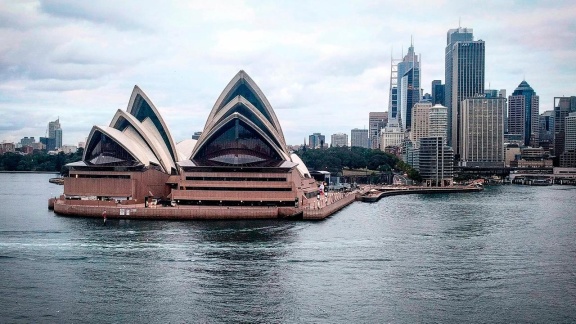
(378, 193)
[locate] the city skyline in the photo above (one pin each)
(315, 60)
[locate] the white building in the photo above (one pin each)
(339, 139)
(67, 149)
(482, 137)
(420, 121)
(438, 126)
(391, 135)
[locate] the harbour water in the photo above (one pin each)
(507, 254)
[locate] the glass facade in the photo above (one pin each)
(243, 89)
(236, 143)
(246, 112)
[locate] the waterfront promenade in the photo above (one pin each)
(377, 193)
(310, 209)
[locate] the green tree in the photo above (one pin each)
(10, 161)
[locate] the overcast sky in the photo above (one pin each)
(323, 65)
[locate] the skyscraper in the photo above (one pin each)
(377, 120)
(524, 113)
(408, 87)
(438, 125)
(546, 129)
(570, 135)
(482, 136)
(393, 100)
(339, 140)
(437, 92)
(568, 157)
(428, 121)
(58, 137)
(55, 135)
(563, 106)
(420, 121)
(359, 138)
(52, 127)
(464, 74)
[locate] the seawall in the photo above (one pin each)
(95, 209)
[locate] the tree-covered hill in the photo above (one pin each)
(38, 161)
(335, 159)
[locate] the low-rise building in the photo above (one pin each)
(7, 147)
(339, 140)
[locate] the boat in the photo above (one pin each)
(58, 181)
(541, 182)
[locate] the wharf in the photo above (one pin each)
(378, 193)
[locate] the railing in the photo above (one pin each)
(315, 208)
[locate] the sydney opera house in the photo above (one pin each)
(240, 166)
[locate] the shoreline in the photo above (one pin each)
(319, 210)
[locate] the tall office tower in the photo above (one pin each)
(377, 120)
(52, 127)
(546, 129)
(420, 121)
(49, 143)
(54, 133)
(359, 138)
(339, 140)
(563, 106)
(429, 121)
(316, 140)
(437, 92)
(391, 135)
(464, 75)
(393, 99)
(570, 132)
(58, 137)
(435, 162)
(408, 87)
(482, 136)
(568, 157)
(493, 93)
(523, 114)
(438, 125)
(502, 94)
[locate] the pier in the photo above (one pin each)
(379, 193)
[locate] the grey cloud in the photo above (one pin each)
(11, 124)
(129, 16)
